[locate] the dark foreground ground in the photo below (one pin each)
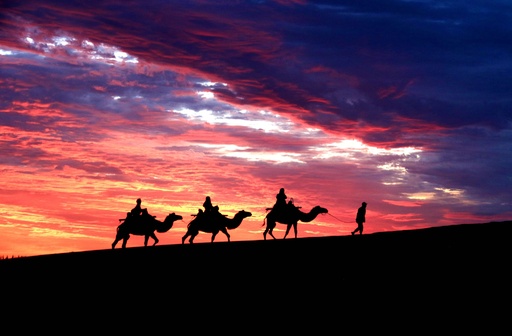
(441, 270)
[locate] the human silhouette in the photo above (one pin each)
(280, 204)
(134, 213)
(128, 215)
(211, 213)
(207, 204)
(291, 206)
(360, 218)
(138, 213)
(137, 210)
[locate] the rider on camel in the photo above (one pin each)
(137, 210)
(280, 206)
(207, 204)
(136, 213)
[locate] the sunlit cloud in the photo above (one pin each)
(83, 49)
(205, 94)
(266, 122)
(352, 145)
(252, 155)
(451, 192)
(422, 196)
(6, 52)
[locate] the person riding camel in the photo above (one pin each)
(291, 206)
(208, 208)
(207, 204)
(135, 215)
(210, 213)
(280, 206)
(137, 210)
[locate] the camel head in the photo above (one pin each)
(167, 224)
(243, 214)
(173, 217)
(319, 209)
(237, 219)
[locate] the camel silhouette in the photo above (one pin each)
(145, 226)
(291, 216)
(213, 223)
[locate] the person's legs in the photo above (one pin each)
(358, 229)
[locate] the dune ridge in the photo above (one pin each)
(436, 277)
(451, 250)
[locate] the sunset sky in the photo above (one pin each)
(403, 104)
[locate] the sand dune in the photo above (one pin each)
(450, 250)
(466, 262)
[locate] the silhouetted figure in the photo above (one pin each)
(291, 206)
(138, 214)
(360, 218)
(137, 210)
(207, 204)
(134, 213)
(280, 204)
(145, 214)
(128, 215)
(215, 210)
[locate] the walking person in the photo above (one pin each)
(360, 219)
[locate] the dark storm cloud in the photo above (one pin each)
(440, 63)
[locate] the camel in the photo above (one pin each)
(145, 226)
(213, 223)
(291, 216)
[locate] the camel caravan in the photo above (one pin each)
(210, 220)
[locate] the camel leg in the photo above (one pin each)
(184, 237)
(288, 227)
(192, 236)
(270, 232)
(266, 229)
(269, 229)
(295, 229)
(125, 240)
(115, 242)
(226, 233)
(154, 238)
(119, 236)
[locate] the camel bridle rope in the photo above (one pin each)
(337, 218)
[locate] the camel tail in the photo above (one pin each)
(264, 221)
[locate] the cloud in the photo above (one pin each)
(404, 105)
